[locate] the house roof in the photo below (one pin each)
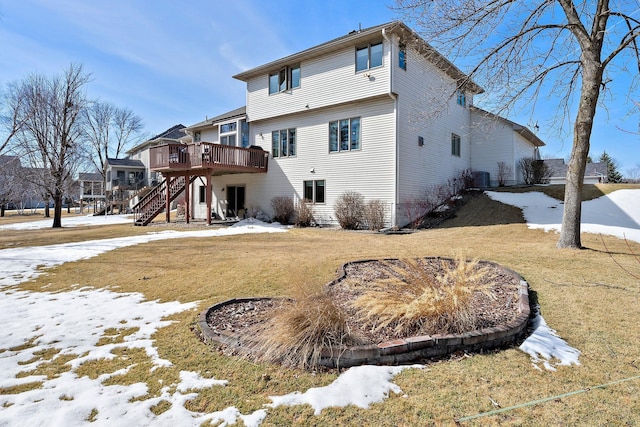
(89, 176)
(524, 131)
(233, 114)
(6, 159)
(173, 133)
(126, 163)
(354, 37)
(558, 168)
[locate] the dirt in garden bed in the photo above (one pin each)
(245, 317)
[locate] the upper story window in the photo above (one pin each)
(344, 135)
(402, 56)
(196, 136)
(461, 98)
(228, 134)
(244, 133)
(284, 79)
(455, 145)
(283, 143)
(369, 56)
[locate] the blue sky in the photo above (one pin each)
(171, 62)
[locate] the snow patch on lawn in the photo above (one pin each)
(546, 347)
(360, 386)
(71, 221)
(616, 214)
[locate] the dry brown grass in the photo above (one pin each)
(412, 299)
(301, 328)
(583, 294)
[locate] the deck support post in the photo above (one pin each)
(187, 207)
(208, 197)
(168, 198)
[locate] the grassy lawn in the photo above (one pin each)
(591, 302)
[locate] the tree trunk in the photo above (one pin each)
(591, 81)
(57, 209)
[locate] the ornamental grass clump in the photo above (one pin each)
(300, 329)
(413, 300)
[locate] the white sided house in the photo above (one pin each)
(377, 111)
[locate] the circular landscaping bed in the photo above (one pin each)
(498, 310)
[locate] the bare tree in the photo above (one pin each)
(505, 171)
(49, 137)
(534, 171)
(109, 130)
(522, 49)
(633, 174)
(9, 181)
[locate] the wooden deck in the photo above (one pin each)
(206, 158)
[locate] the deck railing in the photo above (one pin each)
(206, 155)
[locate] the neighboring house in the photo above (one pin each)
(594, 173)
(125, 178)
(496, 139)
(92, 189)
(377, 111)
(125, 175)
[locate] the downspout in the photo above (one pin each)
(393, 96)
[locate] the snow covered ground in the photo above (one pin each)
(71, 221)
(616, 214)
(73, 323)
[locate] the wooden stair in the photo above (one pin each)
(154, 202)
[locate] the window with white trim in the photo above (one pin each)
(369, 56)
(284, 79)
(461, 98)
(228, 134)
(314, 191)
(402, 56)
(283, 143)
(455, 145)
(344, 135)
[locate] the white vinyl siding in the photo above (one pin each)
(427, 108)
(352, 170)
(324, 81)
(494, 140)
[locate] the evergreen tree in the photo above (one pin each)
(613, 175)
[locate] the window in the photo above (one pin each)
(228, 140)
(228, 127)
(455, 145)
(314, 191)
(228, 134)
(295, 77)
(202, 196)
(344, 135)
(461, 99)
(283, 143)
(244, 133)
(284, 79)
(196, 136)
(369, 56)
(402, 56)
